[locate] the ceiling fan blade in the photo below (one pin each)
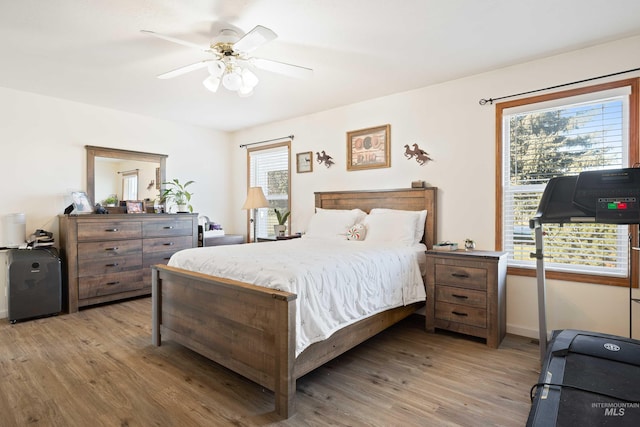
(178, 41)
(283, 68)
(254, 39)
(185, 69)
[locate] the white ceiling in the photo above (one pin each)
(92, 51)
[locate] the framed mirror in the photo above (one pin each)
(123, 175)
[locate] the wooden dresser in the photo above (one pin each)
(466, 293)
(107, 257)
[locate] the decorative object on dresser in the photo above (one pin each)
(179, 194)
(369, 148)
(108, 257)
(466, 293)
(81, 203)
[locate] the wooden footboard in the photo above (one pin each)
(248, 329)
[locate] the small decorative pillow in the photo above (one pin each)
(357, 232)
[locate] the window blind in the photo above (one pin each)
(566, 138)
(269, 169)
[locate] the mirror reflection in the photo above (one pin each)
(121, 179)
(114, 175)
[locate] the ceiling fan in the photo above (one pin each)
(231, 63)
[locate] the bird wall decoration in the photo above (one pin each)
(421, 156)
(324, 158)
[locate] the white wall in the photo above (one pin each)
(43, 158)
(447, 121)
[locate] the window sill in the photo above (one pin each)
(573, 277)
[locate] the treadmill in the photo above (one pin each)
(587, 378)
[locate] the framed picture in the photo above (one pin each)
(135, 206)
(368, 148)
(304, 162)
(81, 203)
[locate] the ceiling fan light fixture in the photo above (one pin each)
(249, 78)
(216, 68)
(232, 81)
(212, 83)
(245, 92)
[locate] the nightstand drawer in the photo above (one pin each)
(461, 314)
(461, 276)
(461, 296)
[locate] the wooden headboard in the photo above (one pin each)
(410, 199)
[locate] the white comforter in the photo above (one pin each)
(338, 282)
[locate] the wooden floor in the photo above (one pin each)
(98, 368)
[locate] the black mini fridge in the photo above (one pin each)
(34, 282)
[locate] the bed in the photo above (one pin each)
(252, 329)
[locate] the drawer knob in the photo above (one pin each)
(459, 296)
(111, 230)
(460, 275)
(169, 244)
(457, 313)
(115, 264)
(112, 283)
(111, 249)
(168, 227)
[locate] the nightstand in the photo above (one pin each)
(466, 293)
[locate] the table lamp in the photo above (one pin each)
(255, 200)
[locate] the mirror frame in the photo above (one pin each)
(115, 153)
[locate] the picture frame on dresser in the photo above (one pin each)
(135, 206)
(81, 203)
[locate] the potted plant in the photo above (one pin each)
(178, 192)
(111, 201)
(281, 227)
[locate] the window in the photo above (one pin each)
(556, 135)
(268, 167)
(130, 185)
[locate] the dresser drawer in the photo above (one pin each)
(472, 316)
(94, 267)
(107, 284)
(461, 276)
(166, 244)
(109, 230)
(461, 296)
(109, 249)
(168, 227)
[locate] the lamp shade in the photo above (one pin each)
(255, 199)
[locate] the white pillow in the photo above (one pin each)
(391, 227)
(360, 214)
(332, 223)
(420, 215)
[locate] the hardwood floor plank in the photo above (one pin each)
(97, 367)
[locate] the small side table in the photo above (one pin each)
(466, 293)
